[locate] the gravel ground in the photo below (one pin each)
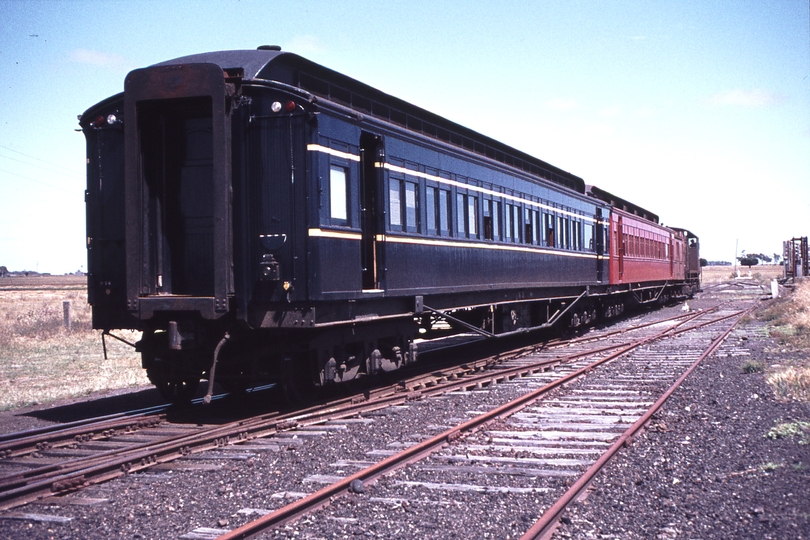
(703, 469)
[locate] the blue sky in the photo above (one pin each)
(696, 110)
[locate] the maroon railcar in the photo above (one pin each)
(645, 258)
(644, 251)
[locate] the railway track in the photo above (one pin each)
(520, 370)
(57, 460)
(527, 441)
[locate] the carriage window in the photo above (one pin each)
(444, 212)
(488, 232)
(411, 207)
(527, 225)
(338, 207)
(431, 210)
(588, 240)
(472, 216)
(496, 220)
(507, 229)
(395, 203)
(560, 231)
(565, 233)
(516, 223)
(491, 221)
(530, 226)
(576, 235)
(548, 226)
(461, 222)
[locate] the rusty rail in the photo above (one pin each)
(417, 452)
(548, 521)
(77, 473)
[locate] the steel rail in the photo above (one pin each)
(544, 526)
(448, 385)
(55, 479)
(52, 436)
(83, 432)
(53, 428)
(417, 452)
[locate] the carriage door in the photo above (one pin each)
(372, 156)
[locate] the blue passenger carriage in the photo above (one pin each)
(263, 218)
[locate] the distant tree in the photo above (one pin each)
(703, 262)
(765, 258)
(748, 260)
(776, 258)
(3, 271)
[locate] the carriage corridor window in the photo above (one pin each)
(548, 227)
(444, 212)
(491, 215)
(530, 225)
(431, 210)
(338, 207)
(461, 217)
(395, 203)
(516, 222)
(496, 220)
(576, 235)
(562, 233)
(588, 242)
(411, 207)
(507, 228)
(472, 216)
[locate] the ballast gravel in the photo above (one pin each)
(704, 468)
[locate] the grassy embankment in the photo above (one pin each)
(40, 360)
(788, 321)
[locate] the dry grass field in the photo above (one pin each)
(40, 360)
(764, 273)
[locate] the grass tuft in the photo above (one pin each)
(789, 430)
(752, 366)
(770, 466)
(789, 317)
(791, 383)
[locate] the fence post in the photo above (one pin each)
(66, 314)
